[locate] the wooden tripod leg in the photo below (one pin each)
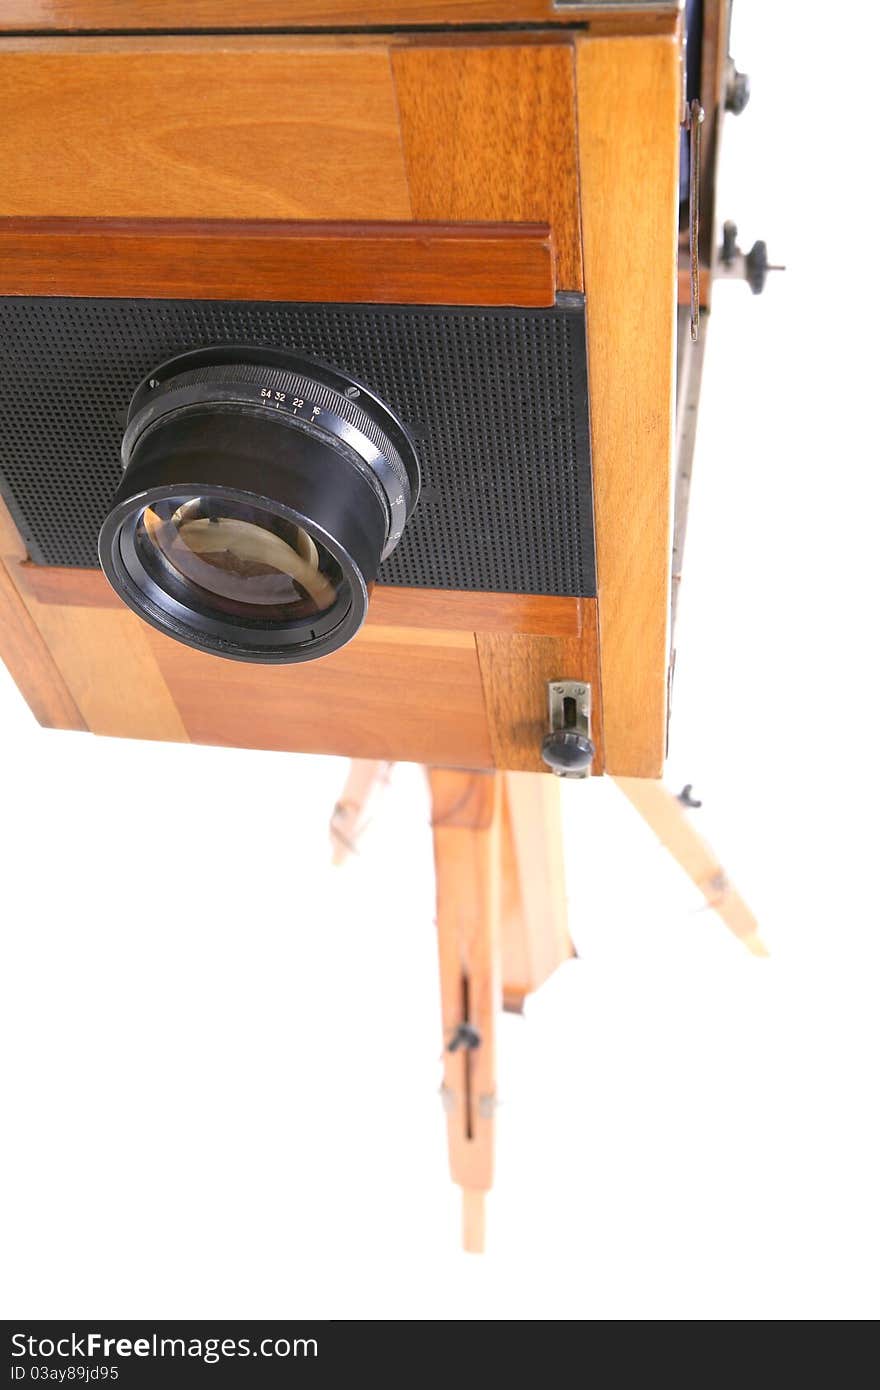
(534, 919)
(350, 812)
(466, 818)
(668, 819)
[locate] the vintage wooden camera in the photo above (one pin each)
(346, 337)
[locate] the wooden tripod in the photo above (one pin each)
(502, 924)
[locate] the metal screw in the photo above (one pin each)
(352, 392)
(465, 1036)
(687, 799)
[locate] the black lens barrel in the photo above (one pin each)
(302, 440)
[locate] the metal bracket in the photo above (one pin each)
(577, 714)
(568, 747)
(693, 121)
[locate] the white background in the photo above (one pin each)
(221, 1059)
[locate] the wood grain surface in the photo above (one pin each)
(664, 814)
(84, 661)
(392, 693)
(218, 14)
(472, 611)
(411, 686)
(201, 128)
(489, 133)
(628, 130)
(359, 262)
(307, 128)
(535, 939)
(23, 650)
(294, 127)
(515, 671)
(395, 692)
(109, 668)
(391, 605)
(466, 820)
(475, 680)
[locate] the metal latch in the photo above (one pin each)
(568, 746)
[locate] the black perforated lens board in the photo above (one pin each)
(496, 399)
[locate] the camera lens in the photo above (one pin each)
(241, 560)
(260, 493)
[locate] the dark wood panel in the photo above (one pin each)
(383, 263)
(489, 132)
(390, 605)
(210, 14)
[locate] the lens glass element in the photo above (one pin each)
(234, 558)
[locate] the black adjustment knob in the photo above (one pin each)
(568, 751)
(757, 265)
(752, 266)
(739, 89)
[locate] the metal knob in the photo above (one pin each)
(752, 266)
(757, 265)
(569, 752)
(739, 90)
(568, 746)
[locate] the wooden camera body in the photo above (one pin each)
(493, 156)
(486, 212)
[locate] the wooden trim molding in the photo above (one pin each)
(629, 109)
(458, 610)
(335, 262)
(471, 611)
(58, 15)
(508, 112)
